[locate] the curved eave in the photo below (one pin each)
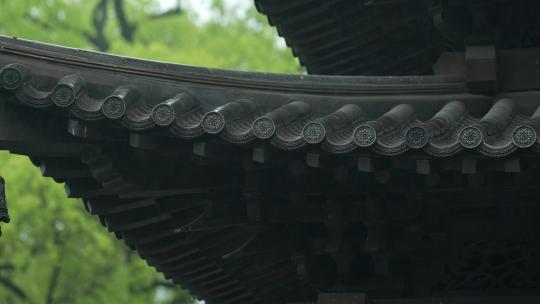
(310, 84)
(357, 37)
(336, 114)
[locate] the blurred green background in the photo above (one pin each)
(53, 251)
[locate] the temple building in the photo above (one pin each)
(355, 184)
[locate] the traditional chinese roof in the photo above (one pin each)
(435, 115)
(395, 37)
(229, 182)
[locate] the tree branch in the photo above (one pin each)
(13, 288)
(171, 12)
(99, 19)
(55, 274)
(127, 29)
(37, 21)
(53, 283)
(7, 267)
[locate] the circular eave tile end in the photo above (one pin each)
(470, 137)
(213, 122)
(11, 78)
(263, 127)
(63, 95)
(163, 115)
(365, 136)
(416, 137)
(524, 137)
(114, 107)
(314, 132)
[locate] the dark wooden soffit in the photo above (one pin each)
(372, 115)
(396, 37)
(357, 37)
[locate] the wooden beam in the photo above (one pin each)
(79, 188)
(313, 160)
(469, 166)
(365, 164)
(423, 166)
(512, 165)
(342, 298)
(64, 168)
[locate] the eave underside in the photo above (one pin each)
(396, 37)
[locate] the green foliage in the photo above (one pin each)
(53, 251)
(231, 40)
